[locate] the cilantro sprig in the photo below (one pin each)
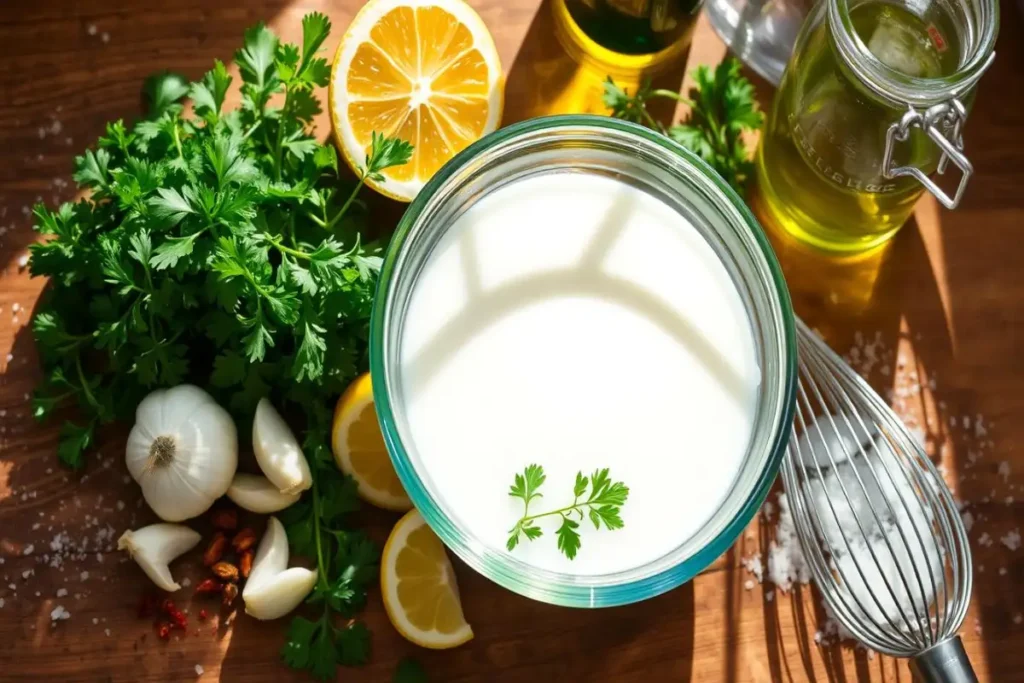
(602, 505)
(223, 247)
(722, 108)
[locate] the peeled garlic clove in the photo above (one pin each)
(280, 594)
(278, 452)
(271, 555)
(258, 494)
(154, 547)
(272, 589)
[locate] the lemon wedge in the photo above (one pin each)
(418, 584)
(426, 71)
(359, 448)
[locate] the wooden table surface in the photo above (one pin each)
(943, 308)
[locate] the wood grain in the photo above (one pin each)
(947, 296)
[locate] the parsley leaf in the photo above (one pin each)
(410, 671)
(602, 506)
(722, 108)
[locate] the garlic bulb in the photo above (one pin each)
(183, 451)
(257, 494)
(272, 589)
(153, 547)
(277, 452)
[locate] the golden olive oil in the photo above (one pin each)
(819, 166)
(636, 27)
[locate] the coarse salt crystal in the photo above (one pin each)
(199, 669)
(27, 573)
(95, 621)
(1002, 571)
(985, 540)
(186, 582)
(968, 520)
(1017, 618)
(106, 632)
(1004, 470)
(84, 576)
(1011, 540)
(748, 584)
(28, 549)
(105, 37)
(59, 613)
(15, 307)
(23, 260)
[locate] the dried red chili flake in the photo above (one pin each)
(209, 586)
(168, 606)
(164, 631)
(179, 620)
(202, 615)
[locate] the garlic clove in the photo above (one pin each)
(272, 589)
(278, 452)
(280, 594)
(271, 555)
(153, 547)
(258, 494)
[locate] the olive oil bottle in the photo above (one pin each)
(636, 27)
(821, 166)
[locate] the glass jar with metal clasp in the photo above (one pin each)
(871, 107)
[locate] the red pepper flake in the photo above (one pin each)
(179, 620)
(202, 615)
(209, 586)
(937, 40)
(164, 631)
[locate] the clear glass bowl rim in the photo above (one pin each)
(497, 567)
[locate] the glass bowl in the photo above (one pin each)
(652, 162)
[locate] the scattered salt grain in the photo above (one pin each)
(105, 37)
(186, 582)
(95, 621)
(27, 573)
(769, 596)
(91, 29)
(84, 576)
(15, 307)
(1004, 471)
(106, 632)
(968, 520)
(1011, 540)
(748, 584)
(1017, 618)
(28, 549)
(199, 669)
(1002, 571)
(59, 613)
(2, 603)
(23, 260)
(61, 592)
(985, 540)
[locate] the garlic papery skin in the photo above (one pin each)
(155, 546)
(278, 452)
(183, 451)
(272, 589)
(258, 494)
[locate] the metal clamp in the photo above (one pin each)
(944, 125)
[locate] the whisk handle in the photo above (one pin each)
(944, 662)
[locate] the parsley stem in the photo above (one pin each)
(85, 384)
(297, 253)
(348, 202)
(322, 569)
(559, 511)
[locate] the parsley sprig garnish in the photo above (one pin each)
(225, 248)
(602, 505)
(722, 107)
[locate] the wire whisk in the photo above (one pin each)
(880, 532)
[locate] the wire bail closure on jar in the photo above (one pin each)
(944, 124)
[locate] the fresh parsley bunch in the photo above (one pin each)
(224, 248)
(722, 105)
(220, 247)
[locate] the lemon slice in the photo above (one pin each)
(420, 593)
(425, 71)
(359, 448)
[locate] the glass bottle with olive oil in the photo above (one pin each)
(636, 27)
(871, 105)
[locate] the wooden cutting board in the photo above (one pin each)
(946, 303)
